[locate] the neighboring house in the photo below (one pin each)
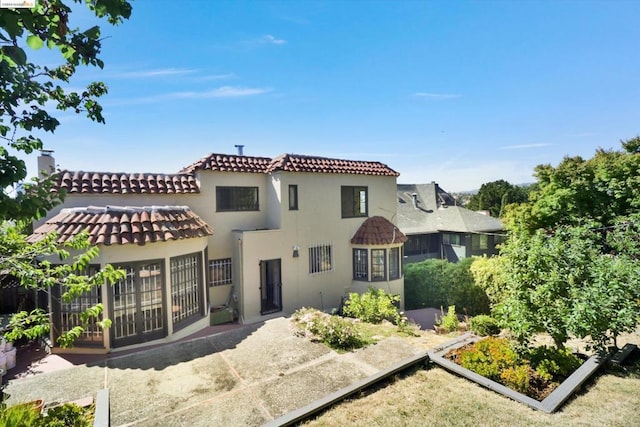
(437, 228)
(266, 236)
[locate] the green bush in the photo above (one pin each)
(373, 306)
(439, 283)
(489, 357)
(18, 415)
(334, 331)
(554, 364)
(484, 325)
(450, 320)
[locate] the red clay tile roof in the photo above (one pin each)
(113, 225)
(229, 163)
(299, 163)
(288, 163)
(125, 183)
(378, 230)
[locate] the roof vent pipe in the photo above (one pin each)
(240, 149)
(414, 197)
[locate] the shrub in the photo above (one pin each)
(489, 357)
(435, 283)
(68, 415)
(373, 306)
(334, 331)
(450, 320)
(18, 415)
(484, 325)
(554, 364)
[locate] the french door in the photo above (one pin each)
(138, 309)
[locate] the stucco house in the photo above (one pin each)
(264, 236)
(437, 228)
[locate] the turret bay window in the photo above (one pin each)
(379, 252)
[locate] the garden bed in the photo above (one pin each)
(549, 404)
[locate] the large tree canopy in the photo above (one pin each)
(495, 196)
(572, 258)
(28, 90)
(599, 189)
(29, 95)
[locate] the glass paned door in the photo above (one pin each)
(138, 309)
(270, 286)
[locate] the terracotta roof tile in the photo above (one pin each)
(378, 230)
(288, 163)
(112, 225)
(300, 163)
(125, 183)
(229, 163)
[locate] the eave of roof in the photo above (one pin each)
(111, 225)
(378, 230)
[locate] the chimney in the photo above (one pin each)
(46, 163)
(239, 148)
(414, 196)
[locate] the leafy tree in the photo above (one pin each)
(495, 196)
(488, 274)
(599, 189)
(28, 93)
(580, 281)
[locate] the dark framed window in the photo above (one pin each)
(360, 264)
(186, 287)
(234, 199)
(220, 272)
(354, 201)
(320, 258)
(394, 263)
(378, 264)
(422, 244)
(452, 239)
(293, 197)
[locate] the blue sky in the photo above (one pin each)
(460, 93)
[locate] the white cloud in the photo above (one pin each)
(269, 39)
(155, 73)
(430, 95)
(218, 76)
(223, 92)
(525, 146)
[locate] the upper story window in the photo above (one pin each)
(320, 258)
(354, 201)
(293, 197)
(230, 199)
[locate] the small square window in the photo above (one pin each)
(354, 202)
(220, 272)
(320, 258)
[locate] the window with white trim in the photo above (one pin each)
(185, 287)
(220, 272)
(320, 258)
